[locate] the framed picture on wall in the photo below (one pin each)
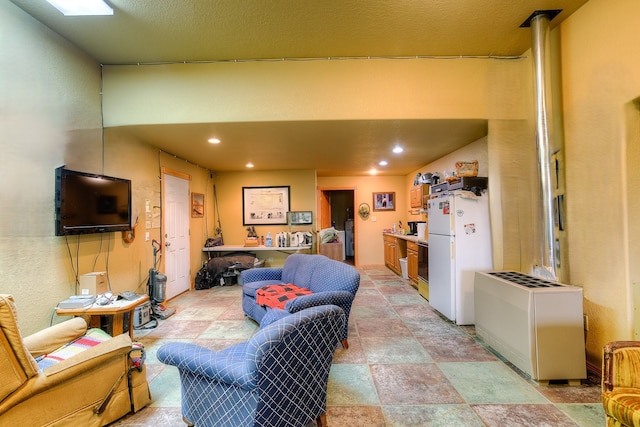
(301, 218)
(197, 205)
(384, 201)
(265, 205)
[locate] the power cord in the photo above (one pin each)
(74, 269)
(95, 261)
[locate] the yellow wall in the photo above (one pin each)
(601, 79)
(50, 117)
(317, 90)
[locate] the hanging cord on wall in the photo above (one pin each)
(160, 193)
(206, 219)
(182, 159)
(95, 260)
(77, 262)
(106, 260)
(219, 227)
(74, 269)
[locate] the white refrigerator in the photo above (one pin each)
(349, 247)
(459, 245)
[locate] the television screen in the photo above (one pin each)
(88, 203)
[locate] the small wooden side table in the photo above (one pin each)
(117, 309)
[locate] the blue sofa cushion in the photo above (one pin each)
(320, 274)
(251, 287)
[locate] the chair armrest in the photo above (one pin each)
(229, 366)
(54, 337)
(620, 364)
(272, 315)
(259, 274)
(115, 350)
(342, 299)
(92, 357)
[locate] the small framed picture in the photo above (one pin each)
(300, 217)
(197, 205)
(384, 201)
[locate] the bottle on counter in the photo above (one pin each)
(269, 241)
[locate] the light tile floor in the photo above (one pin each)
(405, 366)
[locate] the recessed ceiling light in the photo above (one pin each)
(214, 140)
(383, 163)
(81, 7)
(397, 149)
(373, 171)
(249, 165)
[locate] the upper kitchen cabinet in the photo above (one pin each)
(417, 195)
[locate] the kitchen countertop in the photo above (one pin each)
(409, 238)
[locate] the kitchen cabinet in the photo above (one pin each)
(417, 193)
(391, 259)
(394, 249)
(412, 262)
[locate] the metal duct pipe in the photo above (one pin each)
(540, 41)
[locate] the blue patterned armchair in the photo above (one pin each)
(332, 282)
(277, 378)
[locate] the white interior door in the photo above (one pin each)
(176, 233)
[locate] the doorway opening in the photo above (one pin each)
(337, 210)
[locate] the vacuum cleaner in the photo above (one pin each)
(156, 287)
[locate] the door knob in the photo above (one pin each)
(167, 244)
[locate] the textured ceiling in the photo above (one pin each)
(158, 31)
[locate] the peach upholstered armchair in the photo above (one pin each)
(621, 383)
(66, 375)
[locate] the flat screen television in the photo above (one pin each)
(88, 203)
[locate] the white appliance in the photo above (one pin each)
(142, 315)
(459, 245)
(534, 323)
(349, 247)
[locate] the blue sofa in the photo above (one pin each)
(277, 378)
(332, 282)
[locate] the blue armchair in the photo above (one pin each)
(332, 282)
(277, 378)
